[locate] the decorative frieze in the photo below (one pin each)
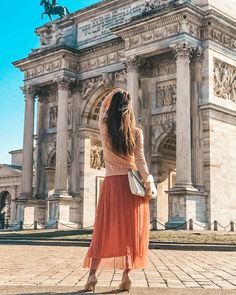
(224, 80)
(221, 36)
(101, 61)
(50, 67)
(160, 30)
(165, 93)
(96, 158)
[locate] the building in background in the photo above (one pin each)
(177, 59)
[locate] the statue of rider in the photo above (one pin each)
(54, 3)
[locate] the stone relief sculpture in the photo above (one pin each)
(53, 116)
(52, 36)
(96, 158)
(121, 76)
(69, 114)
(162, 123)
(156, 68)
(151, 5)
(105, 80)
(166, 94)
(224, 80)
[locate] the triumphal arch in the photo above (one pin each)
(178, 61)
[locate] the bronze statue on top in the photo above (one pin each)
(53, 9)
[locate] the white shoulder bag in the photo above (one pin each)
(136, 184)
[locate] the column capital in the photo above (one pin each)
(63, 82)
(42, 95)
(29, 91)
(182, 49)
(197, 55)
(133, 63)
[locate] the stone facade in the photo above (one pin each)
(177, 60)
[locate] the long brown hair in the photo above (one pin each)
(121, 123)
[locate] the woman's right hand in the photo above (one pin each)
(148, 189)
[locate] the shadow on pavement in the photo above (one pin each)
(81, 292)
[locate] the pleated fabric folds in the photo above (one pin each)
(121, 230)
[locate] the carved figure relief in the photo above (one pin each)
(53, 116)
(52, 36)
(166, 93)
(151, 5)
(69, 114)
(162, 123)
(155, 68)
(224, 80)
(96, 158)
(121, 76)
(51, 143)
(178, 207)
(92, 84)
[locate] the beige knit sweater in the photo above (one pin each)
(117, 164)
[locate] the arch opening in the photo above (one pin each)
(5, 209)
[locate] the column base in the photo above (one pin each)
(29, 210)
(176, 223)
(63, 211)
(187, 205)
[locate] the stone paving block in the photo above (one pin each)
(174, 269)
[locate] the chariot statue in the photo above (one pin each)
(53, 9)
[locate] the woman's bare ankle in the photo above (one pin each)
(92, 272)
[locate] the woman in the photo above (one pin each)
(121, 229)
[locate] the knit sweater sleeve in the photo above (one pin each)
(140, 161)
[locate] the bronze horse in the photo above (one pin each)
(50, 9)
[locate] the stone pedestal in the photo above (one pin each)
(28, 211)
(186, 204)
(63, 212)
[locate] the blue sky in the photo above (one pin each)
(17, 24)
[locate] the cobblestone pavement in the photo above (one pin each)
(56, 266)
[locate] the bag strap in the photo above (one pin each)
(137, 179)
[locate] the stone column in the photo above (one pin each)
(183, 119)
(28, 142)
(42, 103)
(185, 201)
(61, 175)
(75, 144)
(132, 65)
(197, 156)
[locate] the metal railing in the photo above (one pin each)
(187, 225)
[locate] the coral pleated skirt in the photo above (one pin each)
(121, 229)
